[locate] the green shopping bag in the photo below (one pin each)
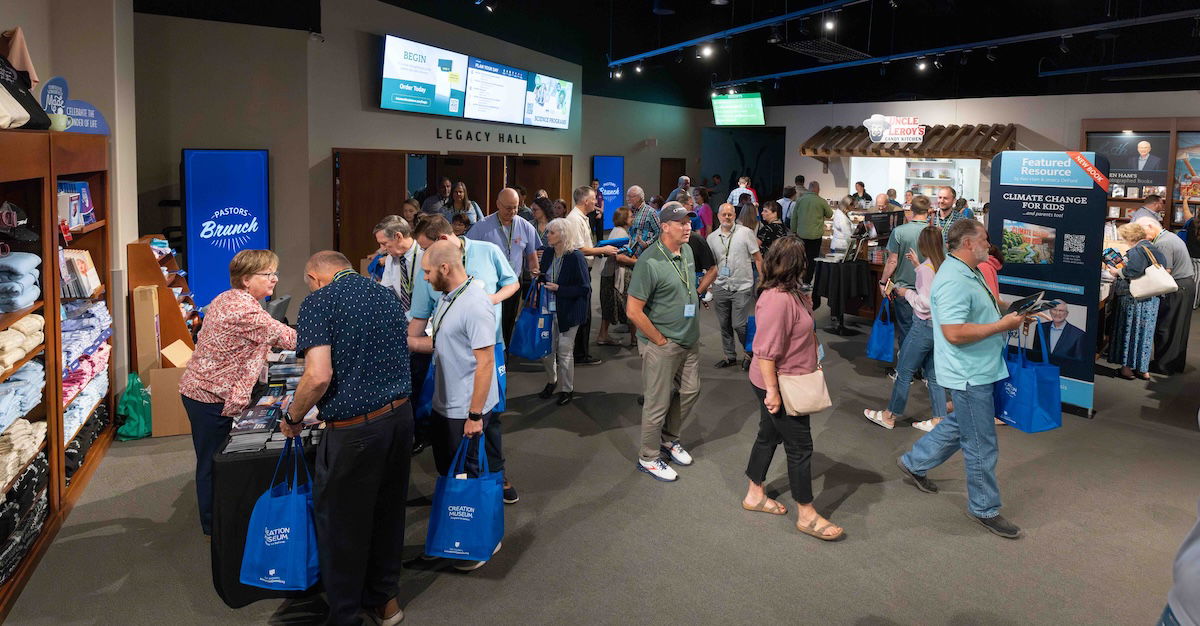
(134, 408)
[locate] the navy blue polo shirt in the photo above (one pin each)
(367, 332)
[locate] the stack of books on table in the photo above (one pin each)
(253, 429)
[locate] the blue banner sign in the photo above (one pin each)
(226, 209)
(610, 171)
(1047, 216)
(82, 117)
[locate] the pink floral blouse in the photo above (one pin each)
(234, 341)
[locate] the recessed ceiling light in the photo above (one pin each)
(1127, 132)
(638, 68)
(829, 24)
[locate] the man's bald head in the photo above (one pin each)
(881, 202)
(506, 204)
(444, 252)
(443, 266)
(322, 266)
(1152, 226)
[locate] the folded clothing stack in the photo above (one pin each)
(26, 531)
(19, 277)
(27, 384)
(84, 371)
(85, 326)
(18, 444)
(77, 413)
(20, 338)
(78, 448)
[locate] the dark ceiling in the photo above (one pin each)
(588, 31)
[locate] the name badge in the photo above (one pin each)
(553, 303)
(689, 310)
(724, 271)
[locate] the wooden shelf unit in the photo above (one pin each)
(31, 165)
(145, 270)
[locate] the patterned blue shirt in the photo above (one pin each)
(360, 320)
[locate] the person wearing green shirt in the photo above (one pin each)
(662, 304)
(899, 269)
(808, 222)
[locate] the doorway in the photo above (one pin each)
(669, 171)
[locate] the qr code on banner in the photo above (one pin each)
(1074, 243)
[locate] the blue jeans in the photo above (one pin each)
(971, 429)
(915, 353)
(904, 319)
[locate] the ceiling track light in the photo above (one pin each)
(894, 4)
(921, 64)
(776, 84)
(883, 69)
(937, 62)
(720, 3)
(962, 60)
(991, 54)
(776, 35)
(617, 73)
(714, 94)
(490, 5)
(679, 57)
(1062, 45)
(727, 43)
(638, 68)
(829, 23)
(1196, 28)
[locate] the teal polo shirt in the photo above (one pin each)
(961, 297)
(486, 263)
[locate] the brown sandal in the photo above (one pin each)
(762, 507)
(819, 533)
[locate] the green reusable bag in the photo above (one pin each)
(134, 409)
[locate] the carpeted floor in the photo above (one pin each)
(1104, 504)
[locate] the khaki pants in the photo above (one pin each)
(663, 411)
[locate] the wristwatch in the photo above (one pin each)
(287, 417)
(475, 417)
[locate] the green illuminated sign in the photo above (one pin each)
(738, 109)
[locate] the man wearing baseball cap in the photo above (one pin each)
(662, 304)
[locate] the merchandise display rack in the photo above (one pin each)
(146, 270)
(31, 165)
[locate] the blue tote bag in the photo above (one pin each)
(531, 335)
(1030, 399)
(883, 335)
(281, 543)
(750, 328)
(467, 518)
(424, 403)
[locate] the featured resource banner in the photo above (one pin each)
(226, 209)
(1047, 216)
(610, 171)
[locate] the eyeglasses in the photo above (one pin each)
(267, 274)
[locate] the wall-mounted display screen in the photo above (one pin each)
(424, 79)
(738, 109)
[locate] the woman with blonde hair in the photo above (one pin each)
(229, 355)
(564, 274)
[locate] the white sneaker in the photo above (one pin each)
(659, 470)
(678, 454)
(469, 566)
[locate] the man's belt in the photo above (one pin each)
(366, 417)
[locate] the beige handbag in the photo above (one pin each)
(804, 394)
(1157, 281)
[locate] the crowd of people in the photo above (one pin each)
(457, 279)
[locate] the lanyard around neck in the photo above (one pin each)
(728, 243)
(437, 321)
(687, 287)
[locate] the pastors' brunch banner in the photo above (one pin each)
(610, 171)
(1047, 215)
(226, 209)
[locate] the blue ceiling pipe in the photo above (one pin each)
(1118, 66)
(990, 43)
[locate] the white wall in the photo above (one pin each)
(34, 18)
(622, 128)
(1044, 122)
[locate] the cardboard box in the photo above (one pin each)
(176, 355)
(146, 331)
(167, 415)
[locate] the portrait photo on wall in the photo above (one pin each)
(1066, 332)
(1134, 158)
(1027, 243)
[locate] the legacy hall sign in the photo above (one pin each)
(479, 136)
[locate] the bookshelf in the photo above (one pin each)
(145, 269)
(32, 163)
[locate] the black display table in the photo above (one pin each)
(839, 283)
(238, 481)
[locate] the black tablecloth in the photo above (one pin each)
(840, 282)
(238, 481)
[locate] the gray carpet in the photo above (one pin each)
(1104, 504)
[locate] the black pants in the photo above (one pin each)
(509, 309)
(796, 435)
(358, 505)
(447, 434)
(1171, 330)
(209, 431)
(812, 250)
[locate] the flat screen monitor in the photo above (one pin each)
(422, 79)
(884, 223)
(738, 109)
(495, 92)
(547, 101)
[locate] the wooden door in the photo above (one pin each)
(536, 172)
(669, 171)
(497, 180)
(565, 177)
(368, 184)
(469, 169)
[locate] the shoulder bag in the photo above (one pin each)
(804, 394)
(1156, 281)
